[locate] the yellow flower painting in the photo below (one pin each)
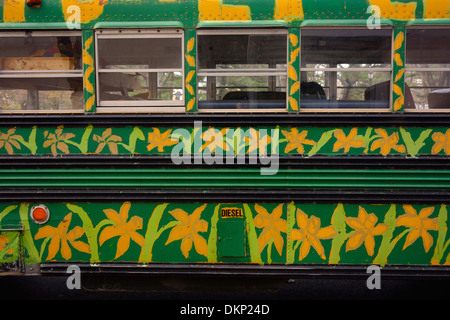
(257, 142)
(56, 141)
(214, 139)
(310, 233)
(420, 224)
(272, 225)
(107, 139)
(160, 140)
(387, 142)
(442, 142)
(61, 237)
(347, 142)
(187, 229)
(365, 228)
(296, 140)
(9, 139)
(123, 228)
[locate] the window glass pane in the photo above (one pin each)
(249, 51)
(242, 71)
(140, 69)
(19, 94)
(336, 48)
(333, 76)
(142, 86)
(242, 92)
(427, 75)
(428, 47)
(142, 53)
(31, 52)
(40, 71)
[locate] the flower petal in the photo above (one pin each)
(411, 237)
(427, 240)
(66, 253)
(108, 233)
(200, 245)
(178, 232)
(113, 215)
(124, 211)
(297, 234)
(304, 249)
(180, 215)
(326, 233)
(53, 247)
(195, 216)
(45, 232)
(122, 245)
(186, 246)
(278, 241)
(81, 246)
(369, 243)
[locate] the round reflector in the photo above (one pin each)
(40, 214)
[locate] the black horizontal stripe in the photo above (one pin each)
(246, 270)
(165, 161)
(386, 196)
(231, 119)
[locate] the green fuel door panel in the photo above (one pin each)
(231, 238)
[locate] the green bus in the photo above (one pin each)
(225, 138)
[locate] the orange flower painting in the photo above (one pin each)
(8, 140)
(56, 141)
(310, 233)
(272, 226)
(123, 228)
(160, 140)
(365, 226)
(442, 142)
(107, 139)
(387, 142)
(61, 237)
(296, 140)
(420, 224)
(188, 228)
(347, 142)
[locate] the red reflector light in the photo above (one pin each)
(40, 214)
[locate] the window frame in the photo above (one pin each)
(412, 69)
(377, 69)
(133, 106)
(275, 72)
(51, 74)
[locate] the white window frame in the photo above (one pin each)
(246, 72)
(413, 69)
(377, 69)
(134, 105)
(10, 74)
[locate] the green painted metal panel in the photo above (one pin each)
(196, 139)
(190, 13)
(231, 238)
(286, 233)
(223, 178)
(9, 246)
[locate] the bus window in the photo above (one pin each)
(345, 68)
(140, 68)
(242, 69)
(428, 68)
(40, 71)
